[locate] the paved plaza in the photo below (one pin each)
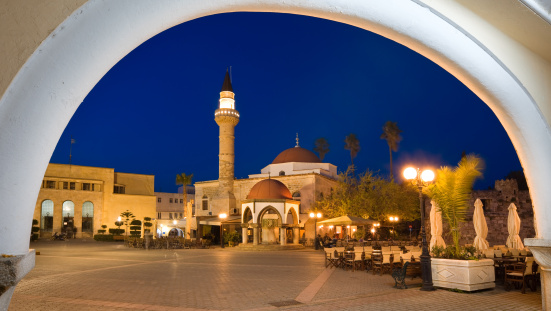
(88, 275)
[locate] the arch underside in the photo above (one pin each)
(96, 41)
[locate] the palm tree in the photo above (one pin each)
(321, 147)
(353, 144)
(185, 180)
(391, 133)
(452, 191)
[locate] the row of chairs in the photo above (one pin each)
(522, 274)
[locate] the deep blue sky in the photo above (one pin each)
(153, 112)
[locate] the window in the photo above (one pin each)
(170, 200)
(296, 195)
(50, 184)
(181, 201)
(169, 215)
(93, 187)
(88, 217)
(181, 215)
(158, 200)
(72, 185)
(47, 216)
(65, 185)
(118, 189)
(86, 187)
(205, 203)
(486, 204)
(158, 215)
(282, 173)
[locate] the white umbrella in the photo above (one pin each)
(513, 225)
(436, 226)
(480, 227)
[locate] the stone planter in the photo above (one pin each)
(467, 275)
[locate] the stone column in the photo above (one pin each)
(255, 233)
(542, 254)
(296, 236)
(244, 231)
(282, 235)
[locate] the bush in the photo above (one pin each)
(103, 237)
(101, 231)
(115, 231)
(449, 252)
(234, 237)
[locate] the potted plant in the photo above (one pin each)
(458, 267)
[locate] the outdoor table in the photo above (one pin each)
(502, 262)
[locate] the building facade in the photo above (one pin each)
(171, 211)
(80, 199)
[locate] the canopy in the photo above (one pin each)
(348, 221)
(436, 226)
(480, 227)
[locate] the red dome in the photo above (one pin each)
(269, 189)
(296, 154)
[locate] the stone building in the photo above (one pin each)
(170, 211)
(82, 198)
(495, 205)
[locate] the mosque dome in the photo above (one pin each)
(269, 189)
(296, 154)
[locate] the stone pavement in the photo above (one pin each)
(89, 275)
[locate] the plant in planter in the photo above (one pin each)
(34, 230)
(458, 267)
(136, 228)
(147, 224)
(232, 238)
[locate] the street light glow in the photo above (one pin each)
(223, 215)
(410, 173)
(312, 215)
(318, 215)
(427, 176)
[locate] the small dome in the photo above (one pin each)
(269, 189)
(296, 154)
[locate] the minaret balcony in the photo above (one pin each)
(226, 112)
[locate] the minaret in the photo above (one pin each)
(227, 118)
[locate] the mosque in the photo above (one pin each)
(268, 208)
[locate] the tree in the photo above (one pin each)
(147, 224)
(369, 196)
(353, 144)
(127, 217)
(185, 180)
(136, 228)
(452, 191)
(321, 147)
(391, 133)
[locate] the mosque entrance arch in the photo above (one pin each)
(59, 86)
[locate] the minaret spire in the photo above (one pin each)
(297, 142)
(226, 87)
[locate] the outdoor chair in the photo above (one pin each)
(416, 256)
(515, 252)
(349, 260)
(331, 258)
(489, 253)
(498, 253)
(523, 252)
(377, 262)
(187, 244)
(519, 274)
(387, 263)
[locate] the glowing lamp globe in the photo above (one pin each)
(312, 215)
(223, 216)
(318, 215)
(410, 173)
(427, 176)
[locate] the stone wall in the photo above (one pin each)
(495, 204)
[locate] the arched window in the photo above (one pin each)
(296, 195)
(88, 217)
(68, 215)
(205, 203)
(47, 216)
(282, 173)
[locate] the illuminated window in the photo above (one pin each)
(47, 216)
(88, 217)
(227, 103)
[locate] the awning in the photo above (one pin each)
(348, 221)
(215, 220)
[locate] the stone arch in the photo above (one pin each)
(247, 215)
(96, 41)
(265, 210)
(293, 213)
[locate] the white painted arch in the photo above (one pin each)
(48, 89)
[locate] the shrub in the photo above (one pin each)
(115, 231)
(103, 237)
(101, 231)
(450, 252)
(136, 228)
(234, 237)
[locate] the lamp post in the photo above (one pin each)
(422, 179)
(393, 219)
(222, 217)
(315, 216)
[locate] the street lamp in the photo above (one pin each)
(422, 179)
(315, 216)
(222, 217)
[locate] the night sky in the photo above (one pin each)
(153, 112)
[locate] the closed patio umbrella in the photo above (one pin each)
(513, 226)
(480, 227)
(436, 226)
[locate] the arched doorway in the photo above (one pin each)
(270, 224)
(59, 87)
